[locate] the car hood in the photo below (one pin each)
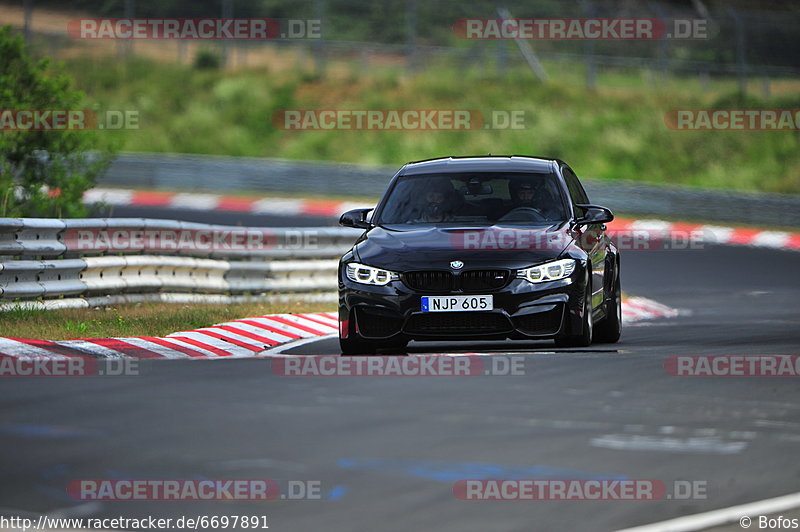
(401, 248)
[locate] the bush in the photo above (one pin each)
(207, 60)
(43, 173)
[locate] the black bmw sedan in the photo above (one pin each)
(480, 248)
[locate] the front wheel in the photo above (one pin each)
(584, 339)
(609, 329)
(354, 344)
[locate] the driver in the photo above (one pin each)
(436, 202)
(525, 194)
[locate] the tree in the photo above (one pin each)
(43, 173)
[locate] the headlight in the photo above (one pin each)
(361, 273)
(549, 271)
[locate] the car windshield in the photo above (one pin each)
(474, 199)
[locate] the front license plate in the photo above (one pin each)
(456, 303)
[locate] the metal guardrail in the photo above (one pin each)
(51, 259)
(44, 237)
(203, 172)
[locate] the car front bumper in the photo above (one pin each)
(521, 310)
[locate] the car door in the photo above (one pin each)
(590, 237)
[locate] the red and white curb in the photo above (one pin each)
(702, 234)
(249, 337)
(640, 310)
(239, 338)
(210, 202)
(699, 233)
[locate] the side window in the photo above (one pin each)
(575, 188)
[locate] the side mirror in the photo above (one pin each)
(356, 218)
(594, 214)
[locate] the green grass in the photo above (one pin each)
(144, 319)
(615, 132)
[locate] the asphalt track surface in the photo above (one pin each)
(387, 450)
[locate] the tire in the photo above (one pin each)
(609, 329)
(584, 339)
(356, 346)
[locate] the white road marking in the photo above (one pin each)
(627, 442)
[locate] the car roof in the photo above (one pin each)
(481, 163)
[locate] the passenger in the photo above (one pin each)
(437, 202)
